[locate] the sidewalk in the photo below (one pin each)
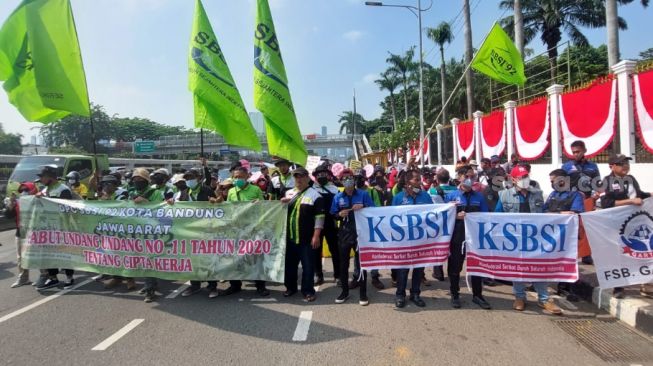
(635, 310)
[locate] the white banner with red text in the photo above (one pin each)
(522, 247)
(621, 239)
(409, 236)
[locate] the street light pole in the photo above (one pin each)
(417, 11)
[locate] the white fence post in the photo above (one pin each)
(509, 113)
(623, 70)
(454, 123)
(477, 135)
(555, 91)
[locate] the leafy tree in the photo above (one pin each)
(10, 143)
(403, 65)
(347, 120)
(647, 54)
(390, 82)
(130, 129)
(74, 130)
(441, 36)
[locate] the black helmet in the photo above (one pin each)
(73, 176)
(49, 171)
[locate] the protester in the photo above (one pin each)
(159, 179)
(325, 187)
(440, 189)
(622, 189)
(79, 189)
(13, 211)
(244, 192)
(305, 222)
(54, 189)
(467, 201)
(524, 198)
(411, 195)
(282, 180)
(564, 199)
(514, 160)
(343, 207)
(484, 171)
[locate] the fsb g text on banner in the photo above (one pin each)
(404, 236)
(522, 247)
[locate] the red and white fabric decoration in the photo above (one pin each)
(643, 93)
(493, 134)
(589, 115)
(426, 149)
(465, 143)
(532, 123)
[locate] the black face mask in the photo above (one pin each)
(380, 182)
(360, 183)
(323, 180)
(140, 184)
(158, 179)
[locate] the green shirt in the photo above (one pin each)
(249, 193)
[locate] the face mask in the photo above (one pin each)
(240, 183)
(468, 182)
(140, 184)
(192, 183)
(158, 179)
(507, 183)
(416, 190)
(348, 183)
(323, 180)
(72, 182)
(523, 183)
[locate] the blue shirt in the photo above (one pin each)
(522, 199)
(576, 205)
(422, 198)
(472, 199)
(587, 167)
(342, 201)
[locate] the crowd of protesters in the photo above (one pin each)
(321, 208)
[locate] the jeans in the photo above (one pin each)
(519, 289)
(402, 281)
(330, 234)
(345, 249)
(212, 285)
(23, 273)
(296, 254)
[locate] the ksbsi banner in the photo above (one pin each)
(404, 236)
(185, 241)
(621, 239)
(522, 247)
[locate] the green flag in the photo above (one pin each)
(217, 102)
(271, 93)
(499, 59)
(41, 63)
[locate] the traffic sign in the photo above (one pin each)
(141, 147)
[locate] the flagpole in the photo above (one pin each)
(201, 142)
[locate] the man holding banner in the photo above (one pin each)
(466, 200)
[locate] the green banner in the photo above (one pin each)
(271, 92)
(499, 59)
(217, 102)
(41, 63)
(184, 241)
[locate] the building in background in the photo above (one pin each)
(324, 130)
(257, 122)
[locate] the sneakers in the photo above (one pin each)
(342, 298)
(190, 291)
(417, 300)
(40, 281)
(363, 301)
(550, 307)
(376, 282)
(400, 302)
(213, 293)
(112, 283)
(149, 296)
(455, 301)
(230, 291)
(49, 283)
(262, 291)
(319, 280)
(519, 304)
(480, 301)
(70, 281)
(20, 282)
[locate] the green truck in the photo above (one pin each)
(29, 166)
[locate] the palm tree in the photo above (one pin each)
(347, 122)
(469, 51)
(389, 81)
(612, 23)
(549, 18)
(402, 65)
(441, 35)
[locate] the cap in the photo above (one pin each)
(473, 162)
(142, 173)
(227, 182)
(109, 178)
(618, 159)
(280, 161)
(300, 171)
(485, 160)
(48, 171)
(177, 178)
(322, 169)
(162, 171)
(518, 171)
(495, 158)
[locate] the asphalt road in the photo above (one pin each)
(63, 329)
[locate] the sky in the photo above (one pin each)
(135, 52)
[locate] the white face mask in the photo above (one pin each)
(191, 183)
(523, 183)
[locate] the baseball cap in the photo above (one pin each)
(518, 171)
(300, 171)
(618, 159)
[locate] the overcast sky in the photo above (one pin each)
(135, 51)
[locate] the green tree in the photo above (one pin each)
(390, 82)
(75, 131)
(347, 120)
(441, 36)
(10, 143)
(550, 18)
(130, 129)
(647, 54)
(403, 65)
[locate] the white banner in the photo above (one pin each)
(621, 239)
(410, 236)
(522, 247)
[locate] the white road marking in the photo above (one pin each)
(178, 291)
(42, 301)
(301, 332)
(117, 335)
(265, 299)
